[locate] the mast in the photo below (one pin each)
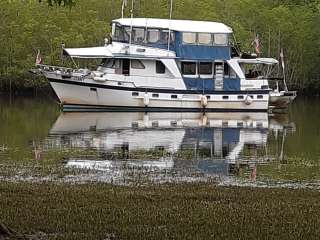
(124, 4)
(131, 11)
(169, 33)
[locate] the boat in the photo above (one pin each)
(163, 65)
(280, 99)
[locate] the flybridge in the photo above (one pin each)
(192, 40)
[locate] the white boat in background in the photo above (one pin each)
(163, 64)
(281, 99)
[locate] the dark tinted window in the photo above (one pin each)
(189, 68)
(226, 69)
(205, 68)
(160, 68)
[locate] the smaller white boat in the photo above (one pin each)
(281, 99)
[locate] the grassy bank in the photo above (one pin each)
(186, 211)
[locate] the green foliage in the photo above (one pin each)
(26, 26)
(51, 3)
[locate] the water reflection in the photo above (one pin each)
(162, 147)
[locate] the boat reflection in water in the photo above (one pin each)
(166, 146)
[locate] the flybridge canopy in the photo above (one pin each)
(176, 25)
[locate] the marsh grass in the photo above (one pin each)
(170, 211)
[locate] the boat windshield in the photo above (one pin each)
(121, 33)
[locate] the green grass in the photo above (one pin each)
(178, 211)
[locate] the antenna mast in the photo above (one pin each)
(124, 4)
(131, 11)
(169, 33)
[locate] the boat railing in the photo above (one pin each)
(54, 68)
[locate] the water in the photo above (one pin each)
(38, 143)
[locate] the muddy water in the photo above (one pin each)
(38, 143)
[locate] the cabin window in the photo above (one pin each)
(153, 35)
(225, 97)
(189, 68)
(220, 39)
(137, 64)
(155, 95)
(138, 35)
(174, 96)
(160, 67)
(135, 94)
(111, 63)
(189, 38)
(165, 36)
(205, 38)
(240, 97)
(205, 68)
(260, 96)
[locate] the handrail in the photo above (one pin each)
(42, 66)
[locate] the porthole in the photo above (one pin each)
(173, 123)
(240, 124)
(134, 125)
(155, 124)
(174, 96)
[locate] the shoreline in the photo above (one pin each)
(176, 211)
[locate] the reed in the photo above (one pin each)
(170, 211)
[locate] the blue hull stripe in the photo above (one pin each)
(105, 108)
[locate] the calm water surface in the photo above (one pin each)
(38, 143)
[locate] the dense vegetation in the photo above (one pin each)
(197, 211)
(26, 26)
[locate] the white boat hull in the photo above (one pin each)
(282, 99)
(75, 97)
